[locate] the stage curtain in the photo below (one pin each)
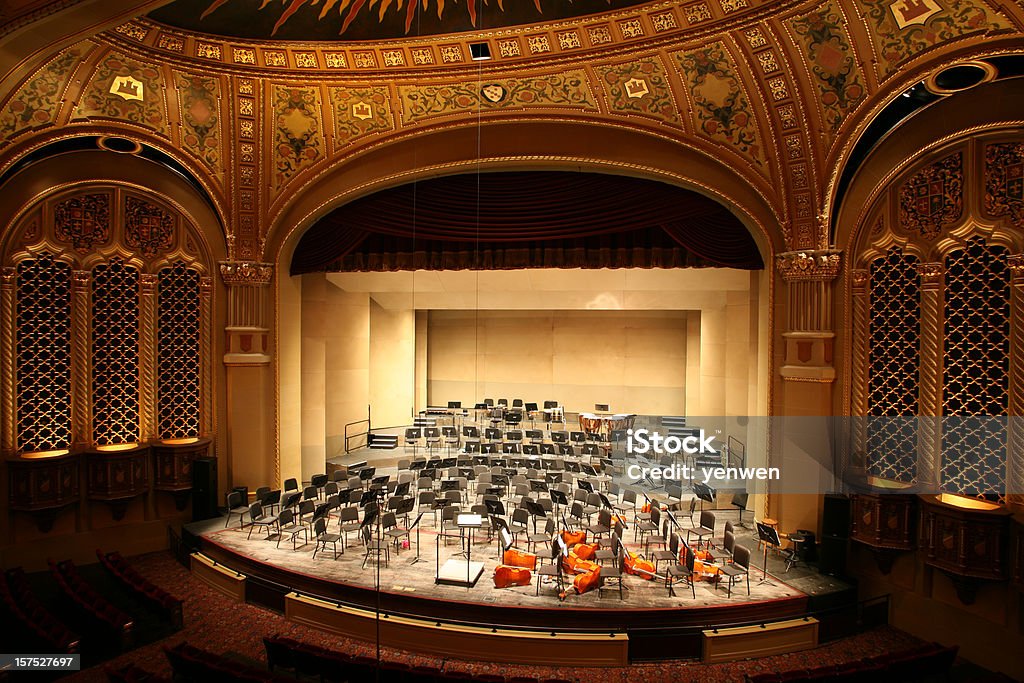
(523, 220)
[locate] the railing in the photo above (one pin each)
(365, 432)
(737, 451)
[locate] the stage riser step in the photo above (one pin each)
(424, 422)
(671, 422)
(382, 441)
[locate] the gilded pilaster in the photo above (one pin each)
(930, 400)
(1015, 453)
(8, 280)
(148, 284)
(248, 287)
(861, 281)
(206, 352)
(810, 334)
(81, 359)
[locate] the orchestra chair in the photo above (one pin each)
(412, 438)
(236, 506)
(670, 554)
(706, 530)
(323, 537)
(739, 568)
(375, 547)
(679, 570)
(257, 518)
(614, 573)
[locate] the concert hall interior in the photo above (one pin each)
(513, 341)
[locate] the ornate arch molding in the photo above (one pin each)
(537, 145)
(936, 295)
(115, 282)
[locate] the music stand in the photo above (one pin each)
(740, 501)
(404, 508)
(537, 486)
(769, 536)
(585, 485)
(535, 511)
(604, 501)
(468, 520)
(367, 473)
(416, 526)
(672, 518)
(402, 489)
(705, 493)
(504, 536)
(494, 507)
(368, 496)
(559, 499)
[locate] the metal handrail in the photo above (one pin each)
(354, 436)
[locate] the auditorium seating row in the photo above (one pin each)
(144, 589)
(22, 602)
(927, 662)
(191, 663)
(312, 660)
(104, 615)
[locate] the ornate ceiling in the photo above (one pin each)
(776, 95)
(328, 20)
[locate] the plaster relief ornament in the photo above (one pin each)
(362, 111)
(637, 88)
(493, 92)
(127, 87)
(908, 12)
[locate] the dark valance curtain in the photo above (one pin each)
(527, 220)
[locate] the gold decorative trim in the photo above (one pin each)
(81, 343)
(246, 273)
(147, 355)
(795, 266)
(8, 279)
(206, 423)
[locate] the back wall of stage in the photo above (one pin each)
(635, 361)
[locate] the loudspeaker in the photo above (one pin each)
(204, 489)
(835, 516)
(832, 555)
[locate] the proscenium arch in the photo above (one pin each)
(944, 124)
(520, 145)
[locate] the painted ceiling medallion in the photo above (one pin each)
(362, 111)
(636, 88)
(127, 87)
(909, 12)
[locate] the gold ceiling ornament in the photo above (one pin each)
(127, 87)
(809, 265)
(246, 273)
(350, 9)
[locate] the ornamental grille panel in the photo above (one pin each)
(43, 355)
(178, 355)
(115, 353)
(895, 331)
(976, 370)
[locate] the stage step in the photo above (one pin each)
(673, 421)
(382, 441)
(424, 421)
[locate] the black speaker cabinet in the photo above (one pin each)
(204, 489)
(832, 555)
(835, 516)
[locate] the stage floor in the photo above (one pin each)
(403, 577)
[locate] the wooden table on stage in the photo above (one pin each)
(606, 424)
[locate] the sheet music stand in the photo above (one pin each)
(537, 486)
(404, 508)
(367, 497)
(468, 520)
(416, 526)
(535, 511)
(705, 493)
(559, 499)
(505, 539)
(585, 485)
(769, 536)
(740, 501)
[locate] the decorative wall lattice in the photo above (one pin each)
(43, 355)
(976, 370)
(178, 353)
(895, 324)
(115, 353)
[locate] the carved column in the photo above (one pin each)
(251, 431)
(1015, 453)
(861, 279)
(81, 360)
(8, 281)
(807, 376)
(148, 285)
(929, 461)
(809, 331)
(206, 402)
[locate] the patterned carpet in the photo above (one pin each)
(215, 622)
